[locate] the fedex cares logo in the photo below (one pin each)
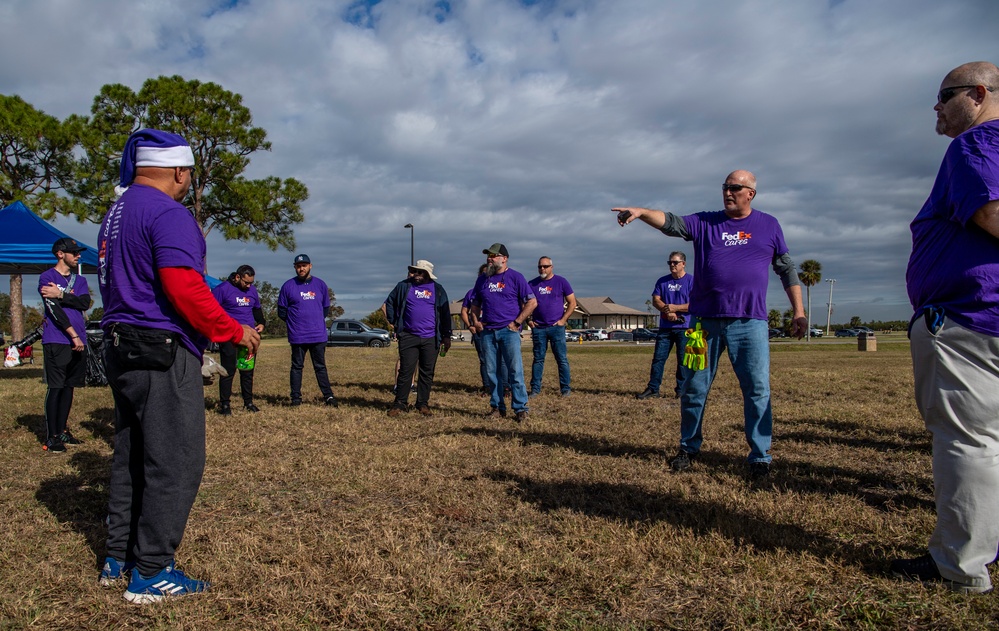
(498, 286)
(423, 294)
(308, 295)
(242, 301)
(545, 291)
(736, 238)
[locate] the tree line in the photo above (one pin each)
(70, 167)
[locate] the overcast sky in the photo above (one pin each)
(525, 122)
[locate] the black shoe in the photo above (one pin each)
(759, 470)
(496, 413)
(412, 388)
(68, 439)
(225, 409)
(682, 461)
(395, 389)
(331, 402)
(249, 407)
(647, 394)
(924, 569)
(521, 416)
(296, 402)
(54, 445)
(566, 393)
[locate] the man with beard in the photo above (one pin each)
(239, 298)
(501, 303)
(304, 305)
(419, 311)
(556, 302)
(671, 296)
(953, 283)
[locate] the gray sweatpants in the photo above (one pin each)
(159, 458)
(957, 392)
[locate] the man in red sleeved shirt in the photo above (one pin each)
(159, 315)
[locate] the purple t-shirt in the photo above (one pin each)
(500, 297)
(419, 318)
(238, 303)
(551, 295)
(954, 263)
(51, 333)
(144, 231)
(731, 262)
(306, 302)
(673, 291)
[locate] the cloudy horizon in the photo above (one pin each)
(525, 122)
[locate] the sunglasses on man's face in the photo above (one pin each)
(543, 266)
(948, 93)
(675, 262)
(735, 188)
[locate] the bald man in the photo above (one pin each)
(953, 283)
(732, 250)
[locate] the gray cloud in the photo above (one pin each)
(496, 121)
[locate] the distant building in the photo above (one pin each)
(591, 313)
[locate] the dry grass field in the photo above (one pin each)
(312, 518)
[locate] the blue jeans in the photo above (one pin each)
(553, 336)
(666, 339)
(502, 347)
(749, 351)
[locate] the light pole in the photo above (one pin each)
(412, 259)
(831, 281)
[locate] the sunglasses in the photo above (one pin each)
(675, 262)
(543, 266)
(948, 93)
(735, 188)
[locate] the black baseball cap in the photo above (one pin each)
(497, 248)
(67, 245)
(302, 258)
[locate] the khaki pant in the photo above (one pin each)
(957, 391)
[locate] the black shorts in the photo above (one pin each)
(64, 368)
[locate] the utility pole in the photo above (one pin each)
(412, 259)
(831, 281)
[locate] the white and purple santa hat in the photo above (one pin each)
(153, 148)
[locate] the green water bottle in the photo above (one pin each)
(245, 360)
(443, 350)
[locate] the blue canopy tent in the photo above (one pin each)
(26, 243)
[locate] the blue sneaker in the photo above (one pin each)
(166, 583)
(114, 571)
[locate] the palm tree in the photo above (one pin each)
(810, 274)
(774, 319)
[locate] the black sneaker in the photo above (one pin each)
(249, 407)
(68, 439)
(54, 445)
(332, 402)
(682, 461)
(225, 409)
(924, 569)
(647, 394)
(296, 402)
(759, 470)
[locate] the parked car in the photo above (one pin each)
(863, 329)
(847, 333)
(643, 335)
(356, 333)
(600, 334)
(621, 336)
(458, 336)
(815, 331)
(571, 336)
(776, 333)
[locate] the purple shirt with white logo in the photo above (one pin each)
(673, 291)
(238, 303)
(146, 230)
(551, 295)
(954, 263)
(306, 302)
(731, 262)
(51, 333)
(420, 319)
(500, 297)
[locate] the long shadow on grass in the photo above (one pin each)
(851, 434)
(636, 505)
(81, 499)
(590, 445)
(22, 373)
(101, 425)
(34, 423)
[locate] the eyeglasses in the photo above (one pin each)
(493, 256)
(735, 188)
(948, 93)
(543, 266)
(676, 262)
